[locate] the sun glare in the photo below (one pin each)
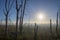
(40, 16)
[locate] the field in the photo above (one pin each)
(28, 32)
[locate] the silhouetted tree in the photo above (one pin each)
(57, 23)
(22, 15)
(51, 29)
(57, 26)
(8, 5)
(35, 31)
(17, 13)
(50, 26)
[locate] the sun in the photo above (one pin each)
(40, 16)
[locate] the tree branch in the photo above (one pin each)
(6, 5)
(10, 6)
(4, 12)
(24, 7)
(19, 7)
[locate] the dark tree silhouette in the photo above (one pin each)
(58, 36)
(50, 26)
(57, 24)
(35, 32)
(17, 13)
(8, 6)
(51, 29)
(22, 15)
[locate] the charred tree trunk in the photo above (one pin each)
(50, 29)
(17, 16)
(50, 26)
(57, 24)
(35, 32)
(16, 24)
(22, 16)
(6, 25)
(21, 26)
(57, 27)
(6, 11)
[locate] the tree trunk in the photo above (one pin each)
(6, 25)
(16, 24)
(50, 26)
(35, 32)
(57, 24)
(51, 29)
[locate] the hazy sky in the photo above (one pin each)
(48, 8)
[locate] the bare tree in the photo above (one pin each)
(17, 13)
(35, 32)
(8, 6)
(57, 23)
(50, 29)
(22, 15)
(50, 26)
(58, 36)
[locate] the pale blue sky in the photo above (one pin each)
(49, 7)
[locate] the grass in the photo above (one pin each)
(28, 33)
